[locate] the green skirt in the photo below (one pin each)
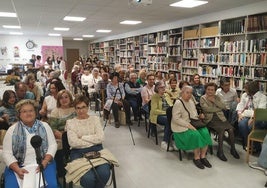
(192, 139)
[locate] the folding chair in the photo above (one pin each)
(256, 135)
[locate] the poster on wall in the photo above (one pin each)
(51, 51)
(3, 51)
(16, 52)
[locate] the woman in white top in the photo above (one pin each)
(50, 101)
(18, 153)
(85, 134)
(85, 80)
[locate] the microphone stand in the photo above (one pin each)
(118, 89)
(41, 173)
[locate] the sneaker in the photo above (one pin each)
(205, 162)
(174, 147)
(255, 165)
(164, 146)
(198, 163)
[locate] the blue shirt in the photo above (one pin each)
(11, 112)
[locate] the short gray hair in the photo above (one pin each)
(185, 88)
(22, 103)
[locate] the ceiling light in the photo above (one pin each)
(130, 22)
(54, 34)
(15, 33)
(8, 14)
(11, 26)
(188, 3)
(77, 38)
(88, 36)
(61, 28)
(103, 31)
(74, 19)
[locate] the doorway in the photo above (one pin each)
(72, 56)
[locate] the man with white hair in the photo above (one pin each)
(93, 79)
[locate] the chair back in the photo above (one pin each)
(169, 114)
(260, 114)
(65, 145)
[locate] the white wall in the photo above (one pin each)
(81, 45)
(10, 42)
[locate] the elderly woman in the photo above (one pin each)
(160, 101)
(34, 88)
(18, 153)
(213, 106)
(85, 134)
(186, 136)
(115, 100)
(8, 114)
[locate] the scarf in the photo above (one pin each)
(19, 139)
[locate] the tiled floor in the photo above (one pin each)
(146, 165)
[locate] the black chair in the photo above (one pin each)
(169, 117)
(66, 151)
(2, 181)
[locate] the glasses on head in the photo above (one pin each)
(80, 108)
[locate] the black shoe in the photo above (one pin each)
(221, 156)
(205, 162)
(117, 124)
(235, 154)
(198, 163)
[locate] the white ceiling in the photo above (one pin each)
(39, 17)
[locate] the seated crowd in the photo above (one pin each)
(44, 105)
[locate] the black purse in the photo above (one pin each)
(197, 123)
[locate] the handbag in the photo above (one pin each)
(122, 117)
(197, 123)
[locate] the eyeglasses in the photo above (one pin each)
(26, 111)
(80, 108)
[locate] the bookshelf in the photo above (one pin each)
(175, 51)
(234, 48)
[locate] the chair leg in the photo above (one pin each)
(211, 149)
(149, 129)
(156, 134)
(114, 177)
(180, 155)
(248, 150)
(169, 141)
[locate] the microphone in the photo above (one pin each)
(36, 142)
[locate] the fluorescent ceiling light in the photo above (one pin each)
(88, 36)
(74, 19)
(77, 38)
(15, 33)
(54, 34)
(103, 31)
(130, 22)
(188, 3)
(11, 26)
(61, 28)
(8, 14)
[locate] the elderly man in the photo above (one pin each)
(148, 91)
(21, 91)
(132, 90)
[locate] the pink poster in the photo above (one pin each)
(50, 51)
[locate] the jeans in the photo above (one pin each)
(91, 178)
(115, 109)
(162, 120)
(49, 174)
(262, 161)
(134, 104)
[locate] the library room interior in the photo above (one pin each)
(133, 93)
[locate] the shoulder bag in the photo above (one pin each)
(197, 123)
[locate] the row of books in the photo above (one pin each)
(158, 50)
(257, 23)
(207, 71)
(209, 42)
(189, 63)
(190, 53)
(208, 58)
(175, 66)
(191, 44)
(175, 51)
(253, 45)
(232, 26)
(189, 71)
(157, 59)
(175, 40)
